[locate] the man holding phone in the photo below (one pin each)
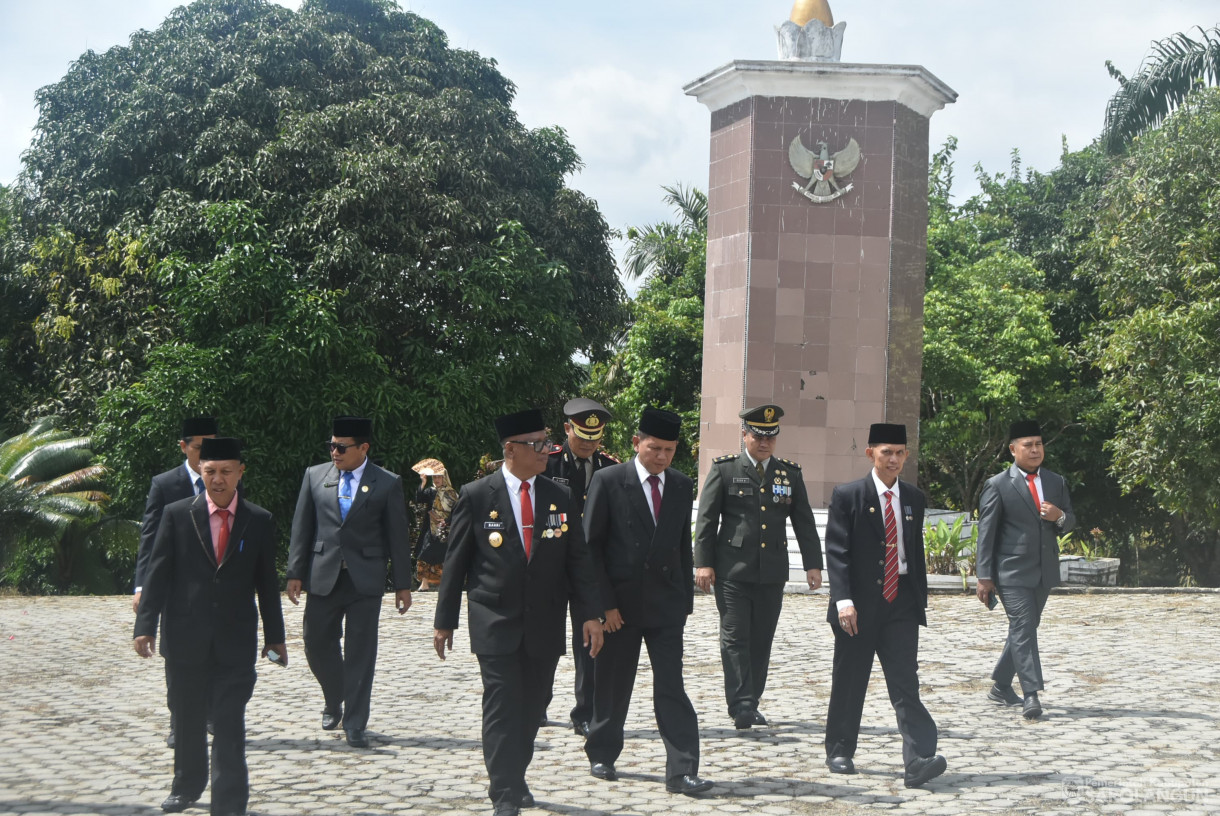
(212, 555)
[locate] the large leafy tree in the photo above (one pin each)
(277, 216)
(1176, 66)
(1157, 264)
(660, 360)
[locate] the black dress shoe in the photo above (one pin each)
(1003, 695)
(759, 719)
(1032, 709)
(744, 718)
(176, 803)
(527, 798)
(357, 738)
(687, 784)
(840, 765)
(581, 727)
(505, 809)
(604, 770)
(922, 769)
(331, 719)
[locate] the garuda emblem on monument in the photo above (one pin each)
(822, 169)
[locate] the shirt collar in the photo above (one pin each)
(358, 473)
(213, 507)
(881, 488)
(513, 483)
(755, 462)
(643, 473)
(191, 473)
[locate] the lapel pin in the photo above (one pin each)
(495, 539)
(494, 514)
(872, 509)
(364, 488)
(553, 508)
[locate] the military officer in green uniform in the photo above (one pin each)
(741, 550)
(573, 465)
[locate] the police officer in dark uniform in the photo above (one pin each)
(741, 549)
(573, 465)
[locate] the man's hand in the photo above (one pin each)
(135, 602)
(847, 620)
(594, 637)
(280, 649)
(294, 590)
(614, 621)
(1050, 512)
(704, 578)
(145, 645)
(402, 600)
(814, 577)
(442, 639)
(985, 588)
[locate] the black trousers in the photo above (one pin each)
(893, 637)
(516, 688)
(226, 689)
(345, 674)
(585, 677)
(748, 617)
(615, 668)
(1024, 606)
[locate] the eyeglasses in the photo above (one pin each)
(340, 447)
(539, 446)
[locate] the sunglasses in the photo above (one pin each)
(539, 447)
(340, 447)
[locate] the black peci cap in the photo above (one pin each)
(353, 426)
(522, 422)
(887, 433)
(220, 448)
(662, 424)
(199, 426)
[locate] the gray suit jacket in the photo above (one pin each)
(1017, 547)
(374, 532)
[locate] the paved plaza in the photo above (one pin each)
(1131, 721)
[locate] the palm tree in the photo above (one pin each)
(50, 489)
(656, 248)
(1164, 80)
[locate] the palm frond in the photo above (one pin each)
(1175, 67)
(52, 458)
(691, 204)
(90, 476)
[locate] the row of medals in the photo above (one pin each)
(781, 491)
(556, 526)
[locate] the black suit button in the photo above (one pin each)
(882, 562)
(665, 569)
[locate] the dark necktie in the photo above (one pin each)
(222, 540)
(527, 519)
(586, 465)
(890, 590)
(762, 472)
(345, 495)
(198, 485)
(655, 481)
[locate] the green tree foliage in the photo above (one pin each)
(990, 352)
(17, 311)
(660, 361)
(54, 535)
(1156, 260)
(1177, 65)
(278, 216)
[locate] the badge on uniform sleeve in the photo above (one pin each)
(495, 539)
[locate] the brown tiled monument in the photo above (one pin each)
(817, 237)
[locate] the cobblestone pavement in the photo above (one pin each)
(1130, 724)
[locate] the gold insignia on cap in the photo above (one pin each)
(769, 414)
(592, 421)
(495, 539)
(494, 514)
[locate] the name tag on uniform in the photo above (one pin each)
(558, 480)
(742, 480)
(493, 525)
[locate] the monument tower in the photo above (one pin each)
(817, 237)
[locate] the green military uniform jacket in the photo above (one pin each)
(742, 525)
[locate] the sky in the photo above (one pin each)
(1028, 75)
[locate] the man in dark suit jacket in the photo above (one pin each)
(213, 553)
(515, 547)
(878, 594)
(637, 521)
(178, 483)
(573, 465)
(741, 549)
(350, 519)
(1018, 558)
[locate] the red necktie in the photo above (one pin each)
(1033, 490)
(527, 519)
(890, 590)
(222, 540)
(655, 481)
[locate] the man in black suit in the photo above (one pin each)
(515, 547)
(1022, 513)
(878, 594)
(573, 465)
(350, 520)
(213, 553)
(637, 521)
(180, 482)
(741, 549)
